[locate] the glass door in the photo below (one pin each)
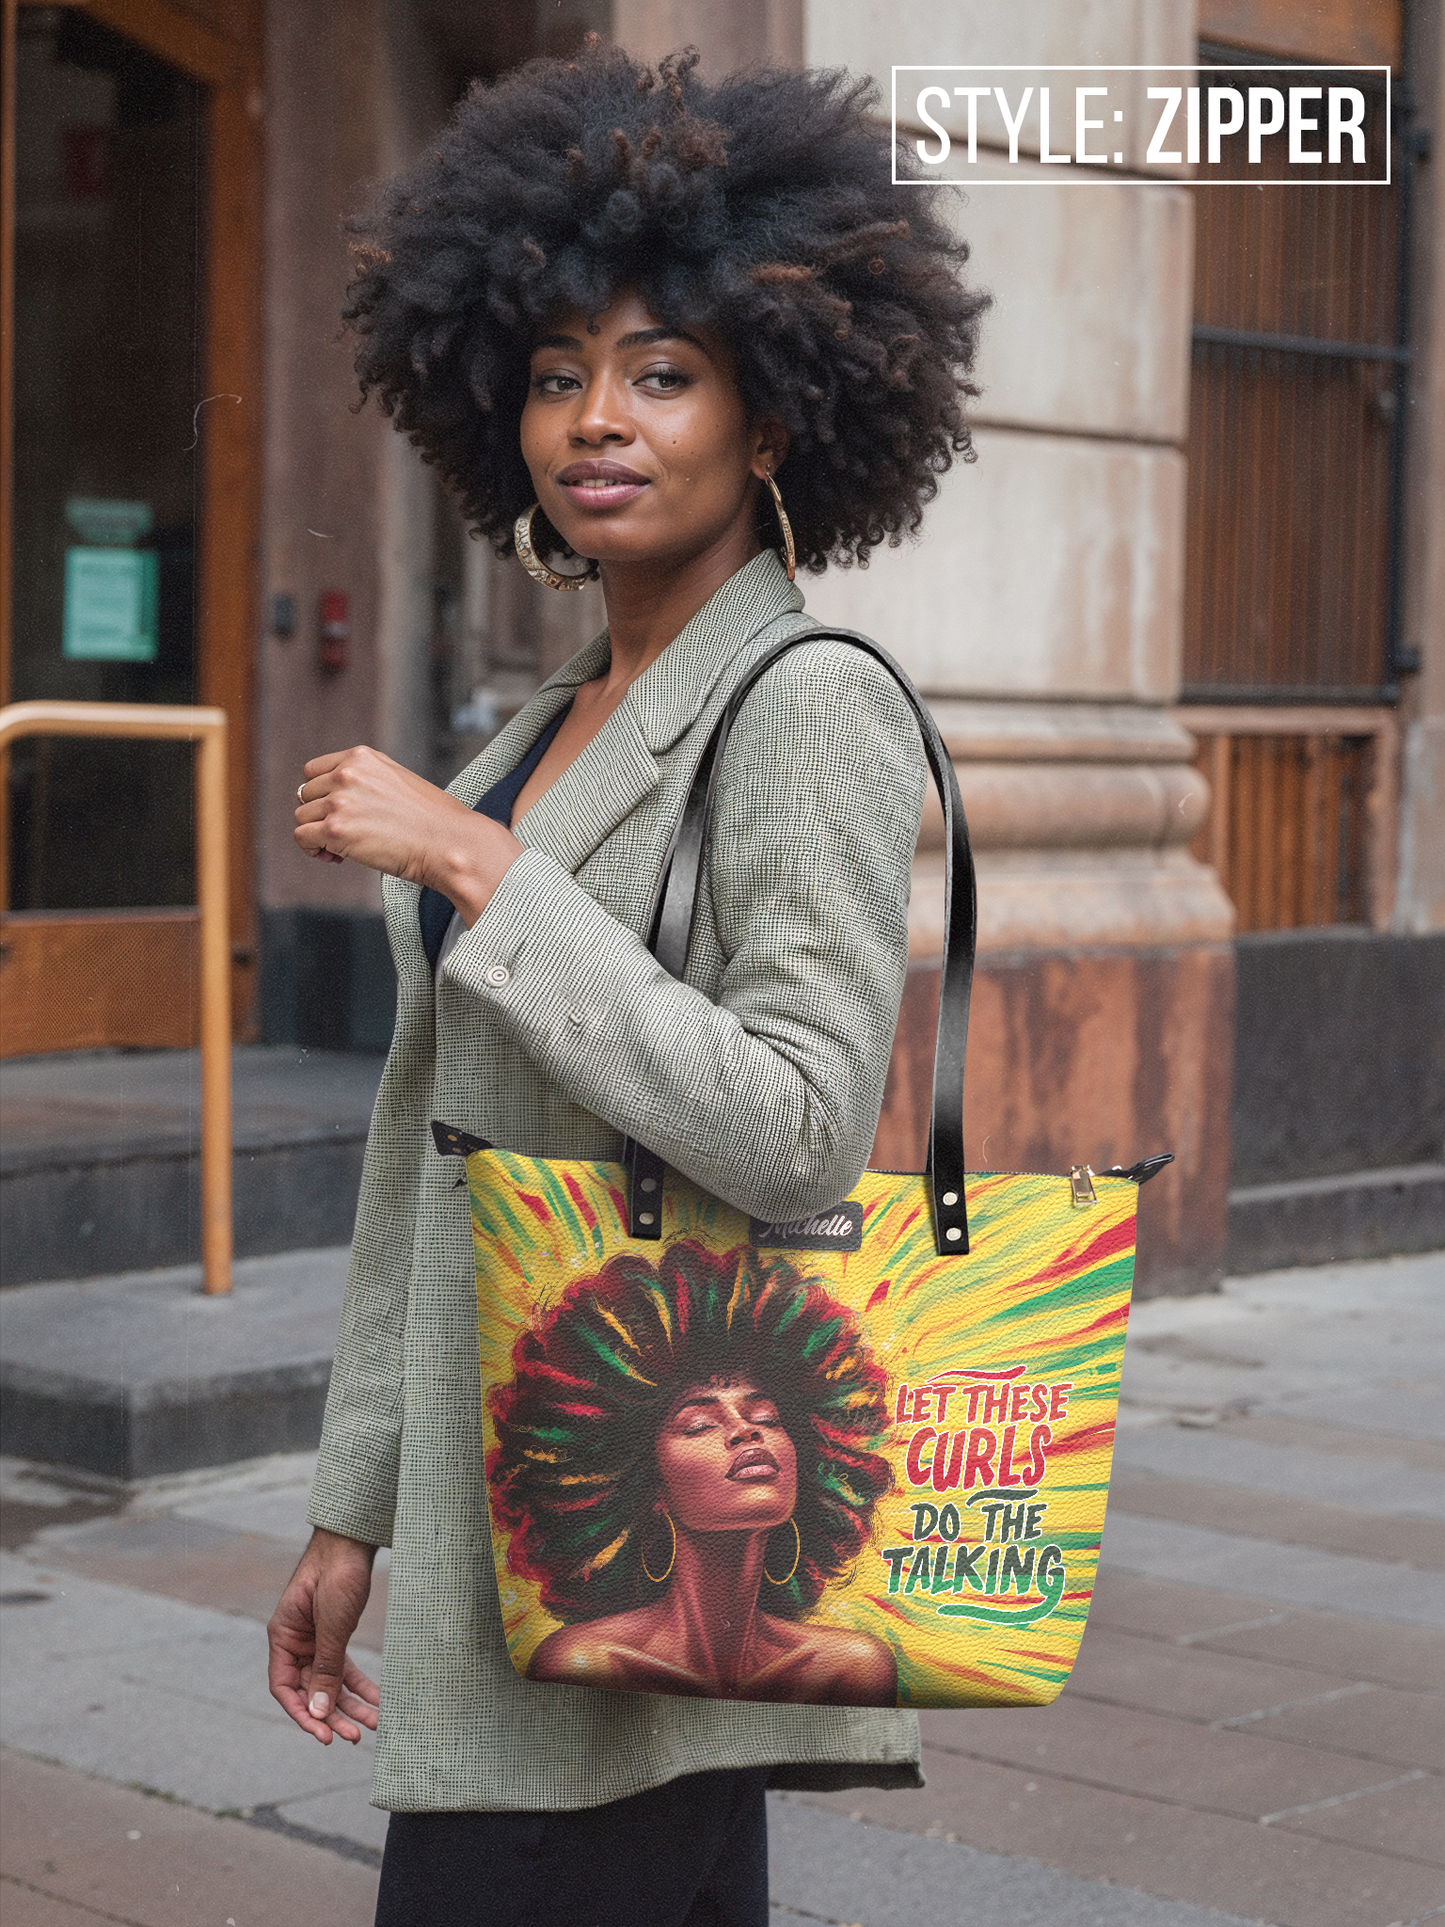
(115, 519)
(108, 282)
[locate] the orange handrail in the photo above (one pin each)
(207, 729)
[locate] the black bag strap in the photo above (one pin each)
(676, 907)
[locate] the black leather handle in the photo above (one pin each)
(676, 907)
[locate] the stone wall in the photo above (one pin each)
(351, 93)
(1040, 612)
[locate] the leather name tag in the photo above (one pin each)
(840, 1228)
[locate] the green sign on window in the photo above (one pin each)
(110, 605)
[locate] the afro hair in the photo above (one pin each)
(761, 206)
(574, 1477)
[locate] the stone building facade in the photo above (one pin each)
(1042, 612)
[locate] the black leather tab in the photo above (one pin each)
(452, 1143)
(1141, 1172)
(676, 908)
(645, 1171)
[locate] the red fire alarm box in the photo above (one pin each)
(335, 630)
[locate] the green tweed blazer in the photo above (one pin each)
(554, 1033)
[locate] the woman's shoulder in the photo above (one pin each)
(841, 1666)
(819, 655)
(590, 1649)
(618, 1651)
(825, 679)
(830, 709)
(575, 1652)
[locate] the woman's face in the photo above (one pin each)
(637, 439)
(727, 1464)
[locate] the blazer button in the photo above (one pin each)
(499, 975)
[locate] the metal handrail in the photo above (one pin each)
(207, 729)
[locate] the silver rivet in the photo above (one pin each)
(649, 1184)
(953, 1232)
(499, 975)
(644, 1217)
(950, 1197)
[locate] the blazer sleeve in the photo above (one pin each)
(769, 1097)
(354, 1490)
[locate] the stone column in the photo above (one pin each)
(1040, 612)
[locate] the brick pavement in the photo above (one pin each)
(1254, 1724)
(75, 1849)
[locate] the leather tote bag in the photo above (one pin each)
(862, 1458)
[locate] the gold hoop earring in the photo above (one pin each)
(658, 1577)
(533, 563)
(797, 1555)
(790, 554)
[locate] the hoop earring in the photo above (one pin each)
(790, 554)
(533, 563)
(797, 1555)
(658, 1577)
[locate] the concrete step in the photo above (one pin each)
(1352, 1214)
(133, 1376)
(100, 1156)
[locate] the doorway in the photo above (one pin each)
(130, 527)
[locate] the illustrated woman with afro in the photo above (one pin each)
(684, 1462)
(687, 339)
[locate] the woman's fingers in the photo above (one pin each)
(289, 1681)
(345, 1719)
(325, 1685)
(361, 804)
(357, 1701)
(308, 1633)
(357, 1682)
(311, 832)
(344, 1728)
(322, 765)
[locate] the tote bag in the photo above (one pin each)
(861, 1458)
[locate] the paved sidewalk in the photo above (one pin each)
(1254, 1726)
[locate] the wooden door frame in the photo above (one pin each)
(1215, 726)
(218, 44)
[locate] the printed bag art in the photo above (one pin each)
(857, 1459)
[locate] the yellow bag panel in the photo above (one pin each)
(977, 1564)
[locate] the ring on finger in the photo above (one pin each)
(300, 792)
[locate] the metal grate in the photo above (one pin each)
(1296, 442)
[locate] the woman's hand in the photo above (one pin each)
(311, 1675)
(358, 803)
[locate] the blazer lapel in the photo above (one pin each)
(514, 739)
(588, 800)
(669, 697)
(619, 766)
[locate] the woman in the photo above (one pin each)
(617, 305)
(676, 1442)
